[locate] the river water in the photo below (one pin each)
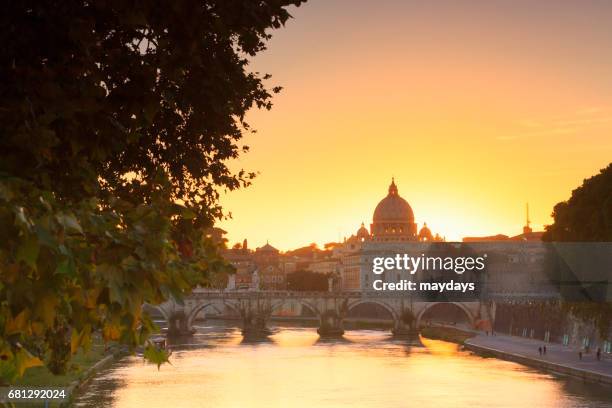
(295, 368)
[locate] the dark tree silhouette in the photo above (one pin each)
(587, 215)
(117, 119)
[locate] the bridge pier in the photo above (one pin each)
(404, 324)
(255, 316)
(332, 315)
(331, 325)
(178, 325)
(401, 329)
(254, 326)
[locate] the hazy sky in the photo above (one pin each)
(474, 106)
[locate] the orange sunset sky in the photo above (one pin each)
(474, 106)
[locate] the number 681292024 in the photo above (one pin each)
(19, 394)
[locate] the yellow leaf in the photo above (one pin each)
(86, 338)
(80, 339)
(75, 339)
(46, 307)
(19, 324)
(11, 273)
(111, 331)
(91, 299)
(24, 360)
(38, 328)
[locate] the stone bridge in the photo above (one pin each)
(255, 309)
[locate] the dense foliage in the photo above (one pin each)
(587, 215)
(117, 119)
(597, 313)
(307, 281)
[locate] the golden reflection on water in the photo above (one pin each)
(297, 369)
(285, 338)
(440, 348)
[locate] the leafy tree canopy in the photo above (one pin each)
(307, 281)
(117, 120)
(587, 215)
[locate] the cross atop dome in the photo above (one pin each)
(392, 187)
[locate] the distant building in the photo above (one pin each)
(350, 271)
(242, 260)
(393, 223)
(527, 235)
(393, 230)
(266, 254)
(264, 261)
(323, 266)
(289, 265)
(272, 278)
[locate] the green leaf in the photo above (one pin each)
(69, 222)
(28, 251)
(150, 110)
(45, 203)
(156, 355)
(8, 371)
(188, 214)
(44, 237)
(66, 267)
(21, 219)
(46, 307)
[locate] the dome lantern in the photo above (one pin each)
(392, 187)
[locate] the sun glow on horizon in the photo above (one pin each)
(473, 120)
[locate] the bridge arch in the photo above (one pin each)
(148, 308)
(384, 305)
(215, 305)
(429, 305)
(276, 305)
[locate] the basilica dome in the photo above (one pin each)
(393, 208)
(393, 218)
(363, 233)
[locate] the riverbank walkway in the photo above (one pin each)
(558, 358)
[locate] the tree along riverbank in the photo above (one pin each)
(84, 365)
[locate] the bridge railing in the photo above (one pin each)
(287, 294)
(246, 294)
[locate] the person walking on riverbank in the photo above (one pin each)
(540, 350)
(598, 353)
(544, 350)
(580, 355)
